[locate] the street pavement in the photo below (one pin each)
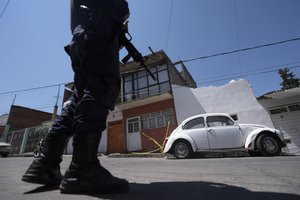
(257, 178)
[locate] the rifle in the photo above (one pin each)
(132, 51)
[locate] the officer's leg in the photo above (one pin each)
(85, 174)
(45, 167)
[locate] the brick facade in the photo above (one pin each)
(157, 133)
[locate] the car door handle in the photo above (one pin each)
(211, 131)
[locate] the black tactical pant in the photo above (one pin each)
(95, 61)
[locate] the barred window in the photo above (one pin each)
(157, 119)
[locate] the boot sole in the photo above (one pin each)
(38, 180)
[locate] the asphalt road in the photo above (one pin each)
(258, 178)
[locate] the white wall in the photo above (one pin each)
(235, 97)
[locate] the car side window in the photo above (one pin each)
(195, 123)
(213, 121)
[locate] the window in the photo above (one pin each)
(142, 82)
(234, 117)
(141, 85)
(153, 90)
(195, 123)
(163, 76)
(164, 87)
(278, 110)
(133, 125)
(214, 121)
(168, 116)
(152, 123)
(160, 121)
(157, 119)
(294, 107)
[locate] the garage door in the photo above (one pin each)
(288, 118)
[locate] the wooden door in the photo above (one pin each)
(116, 138)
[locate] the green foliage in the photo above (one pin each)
(288, 79)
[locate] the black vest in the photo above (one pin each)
(115, 10)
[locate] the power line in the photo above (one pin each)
(244, 75)
(212, 79)
(240, 50)
(216, 79)
(30, 89)
(5, 8)
(188, 60)
(241, 74)
(237, 33)
(170, 22)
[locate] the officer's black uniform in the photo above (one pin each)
(94, 53)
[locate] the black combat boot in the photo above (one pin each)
(45, 167)
(85, 174)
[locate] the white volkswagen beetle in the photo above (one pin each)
(218, 132)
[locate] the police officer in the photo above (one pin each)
(94, 51)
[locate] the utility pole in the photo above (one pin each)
(56, 105)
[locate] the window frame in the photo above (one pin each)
(223, 123)
(191, 128)
(142, 89)
(133, 123)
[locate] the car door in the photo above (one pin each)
(196, 129)
(223, 133)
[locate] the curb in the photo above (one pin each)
(135, 155)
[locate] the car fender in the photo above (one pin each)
(251, 138)
(172, 140)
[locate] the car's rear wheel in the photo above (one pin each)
(182, 149)
(268, 145)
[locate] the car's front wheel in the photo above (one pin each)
(268, 145)
(4, 155)
(182, 149)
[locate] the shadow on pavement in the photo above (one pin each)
(42, 189)
(194, 190)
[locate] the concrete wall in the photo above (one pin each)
(235, 97)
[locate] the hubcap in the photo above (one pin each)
(270, 144)
(181, 149)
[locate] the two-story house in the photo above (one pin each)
(145, 105)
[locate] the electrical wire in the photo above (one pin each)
(170, 22)
(244, 75)
(31, 89)
(5, 7)
(240, 50)
(279, 66)
(185, 61)
(174, 87)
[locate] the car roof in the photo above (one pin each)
(205, 115)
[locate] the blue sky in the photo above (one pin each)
(33, 34)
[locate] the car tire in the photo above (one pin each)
(4, 155)
(268, 145)
(182, 149)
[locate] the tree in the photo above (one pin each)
(288, 79)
